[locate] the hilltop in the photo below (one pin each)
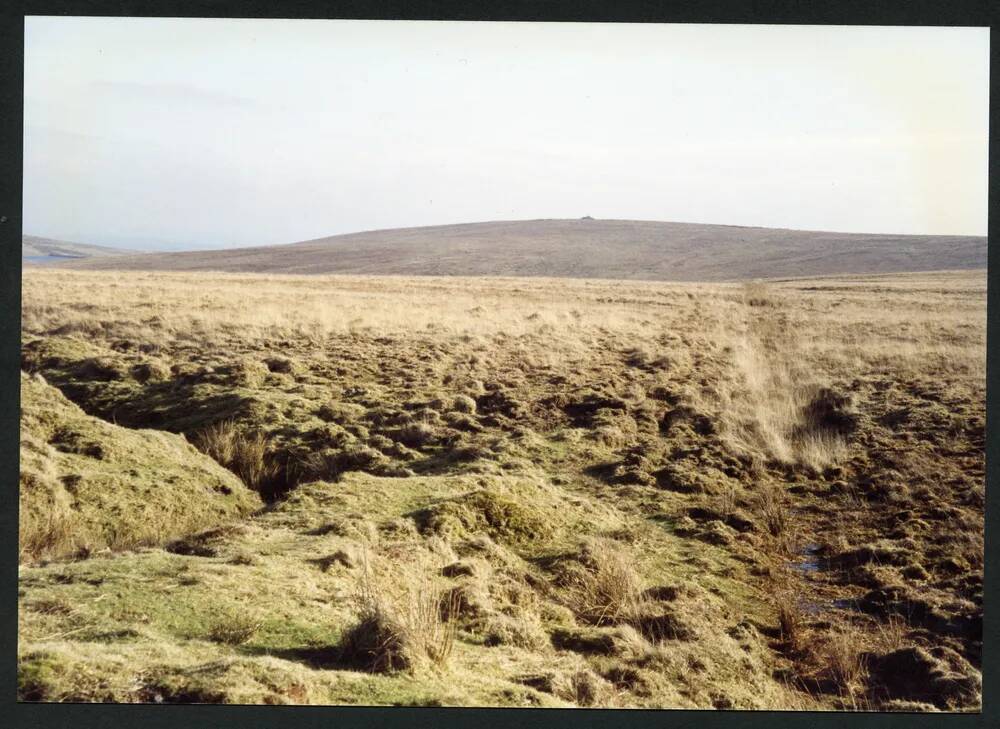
(584, 248)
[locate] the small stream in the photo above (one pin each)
(810, 562)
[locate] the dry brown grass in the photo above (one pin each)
(771, 505)
(767, 403)
(791, 623)
(610, 589)
(404, 621)
(57, 532)
(246, 455)
(235, 628)
(711, 430)
(841, 654)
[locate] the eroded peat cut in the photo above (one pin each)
(503, 492)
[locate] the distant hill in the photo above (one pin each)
(34, 247)
(583, 248)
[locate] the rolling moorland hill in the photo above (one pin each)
(33, 246)
(584, 248)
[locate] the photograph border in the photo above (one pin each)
(827, 12)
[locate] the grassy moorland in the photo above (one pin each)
(503, 492)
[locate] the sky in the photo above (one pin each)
(159, 133)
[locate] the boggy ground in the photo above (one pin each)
(503, 492)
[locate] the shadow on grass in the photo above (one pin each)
(319, 657)
(176, 407)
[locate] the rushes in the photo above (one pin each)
(827, 660)
(790, 623)
(218, 441)
(54, 533)
(233, 629)
(728, 500)
(610, 589)
(243, 454)
(404, 621)
(842, 656)
(772, 508)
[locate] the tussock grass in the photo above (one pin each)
(235, 628)
(417, 435)
(841, 654)
(246, 455)
(588, 689)
(463, 404)
(404, 622)
(55, 532)
(610, 589)
(522, 632)
(771, 505)
(791, 624)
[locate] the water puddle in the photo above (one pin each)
(812, 608)
(809, 560)
(845, 604)
(811, 563)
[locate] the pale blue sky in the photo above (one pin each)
(194, 132)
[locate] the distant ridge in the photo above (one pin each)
(35, 246)
(582, 248)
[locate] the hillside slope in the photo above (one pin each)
(614, 249)
(34, 246)
(87, 485)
